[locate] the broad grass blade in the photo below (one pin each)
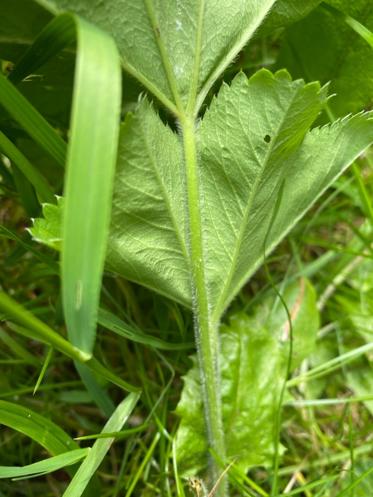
(90, 175)
(91, 161)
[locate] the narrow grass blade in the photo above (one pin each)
(30, 326)
(37, 329)
(26, 192)
(144, 462)
(116, 325)
(96, 391)
(330, 460)
(46, 466)
(29, 118)
(18, 350)
(57, 35)
(332, 365)
(363, 193)
(37, 180)
(359, 28)
(355, 483)
(44, 368)
(101, 447)
(115, 434)
(41, 429)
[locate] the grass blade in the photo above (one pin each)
(29, 118)
(90, 175)
(18, 350)
(116, 325)
(98, 394)
(43, 370)
(37, 180)
(30, 326)
(42, 430)
(91, 161)
(46, 466)
(100, 447)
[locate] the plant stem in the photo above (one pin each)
(206, 333)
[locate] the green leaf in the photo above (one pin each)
(100, 447)
(147, 240)
(28, 117)
(29, 171)
(93, 142)
(30, 326)
(48, 229)
(301, 301)
(116, 325)
(177, 50)
(241, 177)
(90, 169)
(39, 428)
(253, 362)
(46, 466)
(325, 48)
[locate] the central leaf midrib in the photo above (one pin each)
(167, 68)
(219, 308)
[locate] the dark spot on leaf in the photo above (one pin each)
(267, 138)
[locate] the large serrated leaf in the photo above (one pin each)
(175, 47)
(253, 358)
(254, 148)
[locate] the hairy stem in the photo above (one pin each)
(205, 332)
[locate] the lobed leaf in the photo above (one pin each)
(176, 49)
(253, 363)
(260, 171)
(48, 229)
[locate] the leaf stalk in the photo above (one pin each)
(206, 332)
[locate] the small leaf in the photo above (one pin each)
(253, 362)
(47, 229)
